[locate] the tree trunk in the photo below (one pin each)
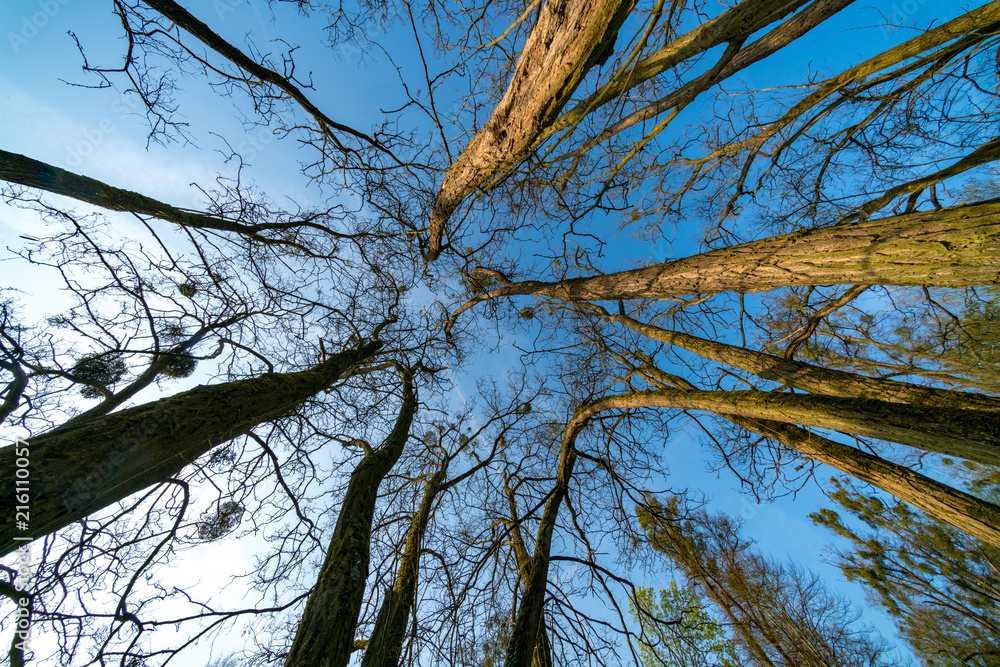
(569, 37)
(950, 506)
(969, 434)
(529, 621)
(543, 648)
(811, 378)
(733, 26)
(77, 470)
(386, 642)
(962, 511)
(32, 173)
(953, 247)
(325, 636)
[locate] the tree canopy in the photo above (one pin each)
(394, 317)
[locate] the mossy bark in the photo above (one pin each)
(965, 512)
(953, 247)
(543, 647)
(77, 470)
(973, 435)
(528, 624)
(325, 636)
(569, 37)
(815, 379)
(386, 642)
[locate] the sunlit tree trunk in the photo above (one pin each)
(953, 247)
(969, 434)
(569, 37)
(812, 378)
(963, 511)
(325, 636)
(77, 470)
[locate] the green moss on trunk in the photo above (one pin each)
(80, 469)
(325, 636)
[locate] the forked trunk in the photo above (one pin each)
(569, 37)
(386, 642)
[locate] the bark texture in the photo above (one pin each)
(814, 379)
(386, 642)
(944, 503)
(953, 247)
(529, 624)
(969, 434)
(569, 37)
(734, 26)
(77, 470)
(325, 636)
(962, 511)
(543, 648)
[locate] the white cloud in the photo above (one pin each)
(109, 144)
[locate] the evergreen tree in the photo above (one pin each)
(779, 615)
(941, 586)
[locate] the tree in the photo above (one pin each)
(681, 631)
(970, 514)
(325, 635)
(778, 614)
(526, 132)
(148, 444)
(384, 647)
(940, 586)
(900, 250)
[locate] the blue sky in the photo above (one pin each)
(102, 134)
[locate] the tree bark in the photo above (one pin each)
(811, 378)
(962, 511)
(950, 506)
(733, 26)
(542, 656)
(569, 37)
(386, 642)
(953, 247)
(77, 470)
(325, 636)
(732, 31)
(529, 621)
(969, 434)
(15, 168)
